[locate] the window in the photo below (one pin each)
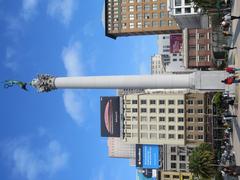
(178, 2)
(202, 58)
(152, 101)
(201, 35)
(200, 119)
(166, 176)
(180, 136)
(200, 137)
(143, 118)
(180, 111)
(131, 8)
(162, 14)
(170, 110)
(180, 119)
(199, 102)
(134, 126)
(162, 6)
(161, 101)
(182, 158)
(173, 157)
(139, 25)
(202, 47)
(153, 135)
(190, 111)
(173, 149)
(134, 110)
(190, 128)
(171, 128)
(152, 110)
(178, 10)
(139, 16)
(131, 17)
(200, 128)
(143, 102)
(163, 23)
(155, 24)
(187, 2)
(173, 165)
(171, 136)
(147, 16)
(139, 8)
(192, 47)
(143, 110)
(155, 7)
(134, 101)
(174, 59)
(153, 119)
(153, 127)
(161, 110)
(131, 1)
(190, 119)
(182, 166)
(176, 177)
(170, 102)
(155, 15)
(190, 102)
(139, 1)
(147, 7)
(180, 128)
(144, 135)
(144, 127)
(171, 119)
(190, 136)
(200, 111)
(131, 25)
(162, 127)
(187, 10)
(134, 118)
(180, 102)
(162, 136)
(161, 119)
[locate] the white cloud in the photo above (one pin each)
(28, 8)
(103, 16)
(33, 163)
(73, 104)
(62, 10)
(71, 56)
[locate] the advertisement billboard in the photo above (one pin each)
(110, 116)
(147, 156)
(175, 43)
(140, 176)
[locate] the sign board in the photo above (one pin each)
(148, 156)
(175, 43)
(110, 116)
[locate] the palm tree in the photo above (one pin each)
(201, 162)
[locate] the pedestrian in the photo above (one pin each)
(227, 48)
(225, 24)
(228, 17)
(232, 70)
(226, 33)
(230, 80)
(232, 170)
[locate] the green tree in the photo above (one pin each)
(202, 162)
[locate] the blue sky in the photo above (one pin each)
(57, 135)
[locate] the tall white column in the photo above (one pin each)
(203, 80)
(117, 82)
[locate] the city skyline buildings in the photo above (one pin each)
(130, 17)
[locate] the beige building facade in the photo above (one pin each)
(138, 17)
(199, 117)
(173, 175)
(154, 117)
